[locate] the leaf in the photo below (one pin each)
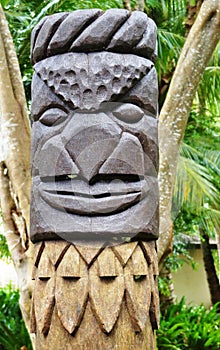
(106, 294)
(71, 298)
(44, 301)
(194, 184)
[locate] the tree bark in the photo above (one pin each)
(194, 57)
(14, 166)
(212, 278)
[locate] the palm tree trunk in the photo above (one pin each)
(212, 278)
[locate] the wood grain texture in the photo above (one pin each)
(123, 252)
(138, 289)
(78, 304)
(106, 292)
(92, 30)
(94, 181)
(71, 294)
(90, 337)
(88, 254)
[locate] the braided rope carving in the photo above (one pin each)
(79, 31)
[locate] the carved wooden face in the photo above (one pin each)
(94, 149)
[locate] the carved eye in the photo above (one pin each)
(53, 116)
(129, 113)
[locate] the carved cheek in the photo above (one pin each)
(48, 156)
(54, 160)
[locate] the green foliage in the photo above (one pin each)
(169, 15)
(186, 222)
(189, 327)
(179, 255)
(23, 15)
(163, 286)
(4, 252)
(197, 188)
(203, 126)
(13, 334)
(196, 184)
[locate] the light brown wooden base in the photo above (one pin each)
(90, 337)
(95, 298)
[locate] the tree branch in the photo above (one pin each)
(15, 166)
(194, 57)
(13, 230)
(15, 129)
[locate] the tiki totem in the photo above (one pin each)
(94, 205)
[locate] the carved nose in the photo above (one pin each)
(90, 140)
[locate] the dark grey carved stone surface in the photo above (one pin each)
(94, 108)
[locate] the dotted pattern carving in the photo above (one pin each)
(87, 80)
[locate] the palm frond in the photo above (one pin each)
(173, 41)
(169, 48)
(208, 97)
(210, 158)
(210, 220)
(176, 15)
(194, 186)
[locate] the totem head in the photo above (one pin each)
(94, 148)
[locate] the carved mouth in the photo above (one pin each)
(104, 195)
